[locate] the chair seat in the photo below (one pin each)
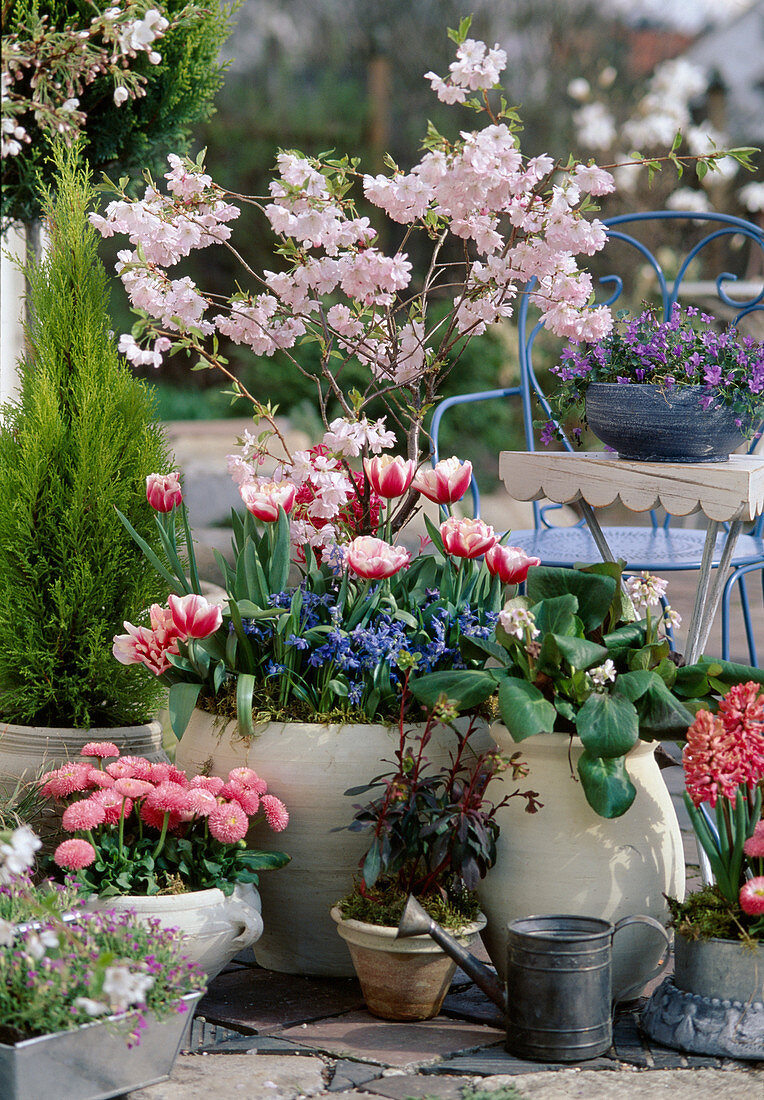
(640, 547)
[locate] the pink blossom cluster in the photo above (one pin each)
(519, 218)
(725, 751)
(190, 616)
(131, 789)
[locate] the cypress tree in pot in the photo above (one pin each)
(76, 445)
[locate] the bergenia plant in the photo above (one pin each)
(143, 828)
(337, 644)
(580, 656)
(724, 773)
(690, 349)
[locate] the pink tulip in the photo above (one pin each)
(509, 563)
(194, 616)
(375, 559)
(163, 491)
(445, 482)
(389, 477)
(263, 498)
(149, 646)
(466, 538)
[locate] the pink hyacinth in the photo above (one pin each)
(211, 783)
(66, 779)
(129, 787)
(263, 498)
(115, 806)
(388, 476)
(84, 814)
(713, 760)
(466, 538)
(275, 812)
(194, 616)
(228, 823)
(445, 482)
(509, 563)
(249, 778)
(163, 491)
(375, 559)
(100, 749)
(742, 712)
(74, 854)
(752, 897)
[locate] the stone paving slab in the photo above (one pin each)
(360, 1035)
(245, 1076)
(255, 1000)
(576, 1084)
(348, 1074)
(407, 1087)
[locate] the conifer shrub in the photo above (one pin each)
(75, 445)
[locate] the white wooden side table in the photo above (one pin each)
(729, 492)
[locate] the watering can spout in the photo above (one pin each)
(416, 922)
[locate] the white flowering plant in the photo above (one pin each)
(581, 655)
(56, 974)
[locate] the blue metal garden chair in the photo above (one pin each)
(657, 547)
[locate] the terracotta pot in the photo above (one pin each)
(25, 750)
(567, 859)
(404, 979)
(216, 928)
(309, 767)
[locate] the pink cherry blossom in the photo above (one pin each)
(466, 538)
(163, 491)
(509, 563)
(263, 498)
(375, 559)
(388, 476)
(193, 616)
(446, 482)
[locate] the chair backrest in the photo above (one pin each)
(703, 238)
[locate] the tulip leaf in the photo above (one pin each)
(181, 701)
(245, 686)
(524, 710)
(279, 561)
(608, 725)
(606, 783)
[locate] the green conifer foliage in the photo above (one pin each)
(77, 444)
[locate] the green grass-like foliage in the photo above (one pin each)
(76, 445)
(139, 134)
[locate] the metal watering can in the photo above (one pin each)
(558, 1001)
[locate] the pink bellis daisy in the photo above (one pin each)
(74, 854)
(275, 812)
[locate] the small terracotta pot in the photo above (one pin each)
(404, 979)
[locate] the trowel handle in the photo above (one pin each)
(632, 990)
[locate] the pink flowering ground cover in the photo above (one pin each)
(141, 827)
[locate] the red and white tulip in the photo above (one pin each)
(467, 538)
(375, 559)
(445, 482)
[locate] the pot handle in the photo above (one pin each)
(250, 920)
(631, 990)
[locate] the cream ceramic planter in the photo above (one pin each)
(309, 767)
(567, 859)
(24, 750)
(215, 927)
(401, 979)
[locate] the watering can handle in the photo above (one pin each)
(631, 990)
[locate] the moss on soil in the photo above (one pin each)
(706, 914)
(384, 905)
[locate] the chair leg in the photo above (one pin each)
(746, 607)
(737, 578)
